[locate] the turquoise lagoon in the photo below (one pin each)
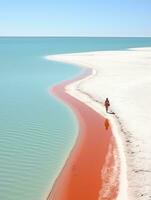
(37, 131)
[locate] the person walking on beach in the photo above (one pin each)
(107, 104)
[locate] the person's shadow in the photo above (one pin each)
(113, 113)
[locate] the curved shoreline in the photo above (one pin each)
(81, 176)
(114, 78)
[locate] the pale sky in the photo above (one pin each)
(75, 18)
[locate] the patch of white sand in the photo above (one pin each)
(125, 78)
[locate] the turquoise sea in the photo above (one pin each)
(37, 131)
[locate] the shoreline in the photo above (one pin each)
(82, 170)
(74, 90)
(121, 76)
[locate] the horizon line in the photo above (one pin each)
(65, 36)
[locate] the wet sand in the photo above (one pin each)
(80, 178)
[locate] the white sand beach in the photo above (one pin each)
(125, 78)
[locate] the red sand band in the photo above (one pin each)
(80, 179)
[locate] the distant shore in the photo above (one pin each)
(125, 78)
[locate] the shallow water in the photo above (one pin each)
(37, 131)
